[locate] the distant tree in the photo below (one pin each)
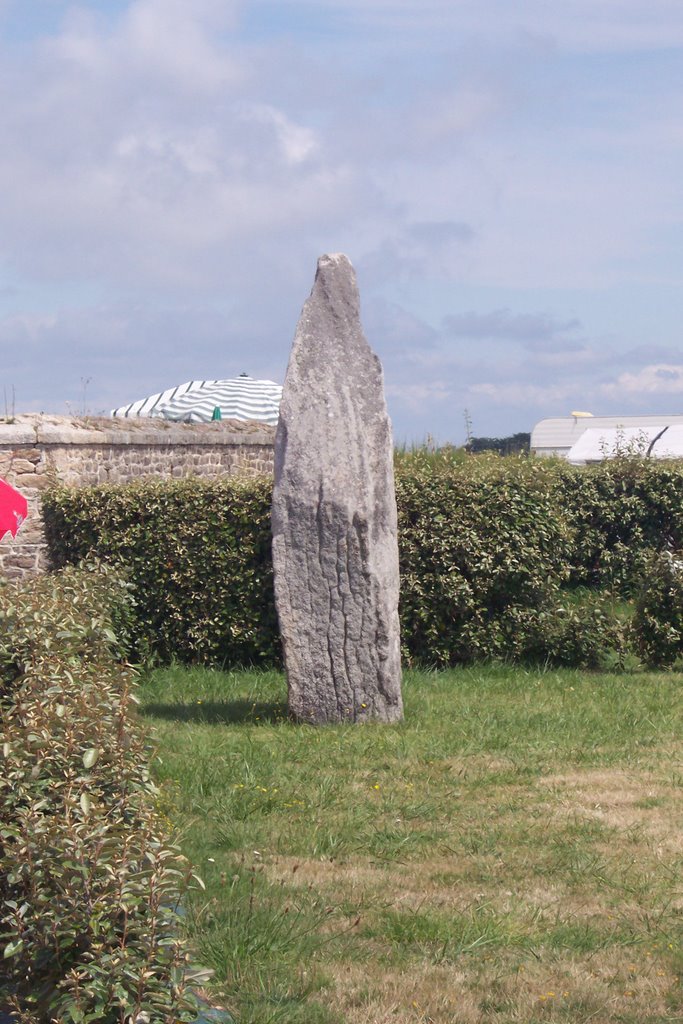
(512, 445)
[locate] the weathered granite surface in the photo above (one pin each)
(335, 551)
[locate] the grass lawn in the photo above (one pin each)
(512, 852)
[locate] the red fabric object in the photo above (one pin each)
(13, 509)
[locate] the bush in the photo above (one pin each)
(88, 879)
(585, 634)
(477, 538)
(622, 511)
(80, 616)
(486, 545)
(482, 544)
(198, 554)
(658, 619)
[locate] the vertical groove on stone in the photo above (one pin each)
(335, 551)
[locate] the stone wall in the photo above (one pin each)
(36, 450)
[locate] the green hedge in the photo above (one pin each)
(484, 548)
(487, 545)
(88, 879)
(658, 619)
(622, 510)
(197, 553)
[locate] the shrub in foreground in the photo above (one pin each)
(88, 879)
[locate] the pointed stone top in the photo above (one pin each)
(334, 296)
(336, 263)
(333, 257)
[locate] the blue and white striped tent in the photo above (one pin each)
(241, 398)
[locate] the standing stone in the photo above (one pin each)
(335, 551)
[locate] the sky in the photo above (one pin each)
(506, 178)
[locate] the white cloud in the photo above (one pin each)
(167, 41)
(137, 156)
(297, 142)
(170, 174)
(654, 379)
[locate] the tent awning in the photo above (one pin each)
(149, 406)
(239, 398)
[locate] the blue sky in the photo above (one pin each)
(505, 177)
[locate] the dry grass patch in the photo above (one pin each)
(510, 854)
(592, 939)
(352, 879)
(603, 990)
(368, 995)
(625, 800)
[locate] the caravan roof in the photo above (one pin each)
(557, 436)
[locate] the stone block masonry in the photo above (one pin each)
(37, 450)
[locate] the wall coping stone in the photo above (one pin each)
(42, 429)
